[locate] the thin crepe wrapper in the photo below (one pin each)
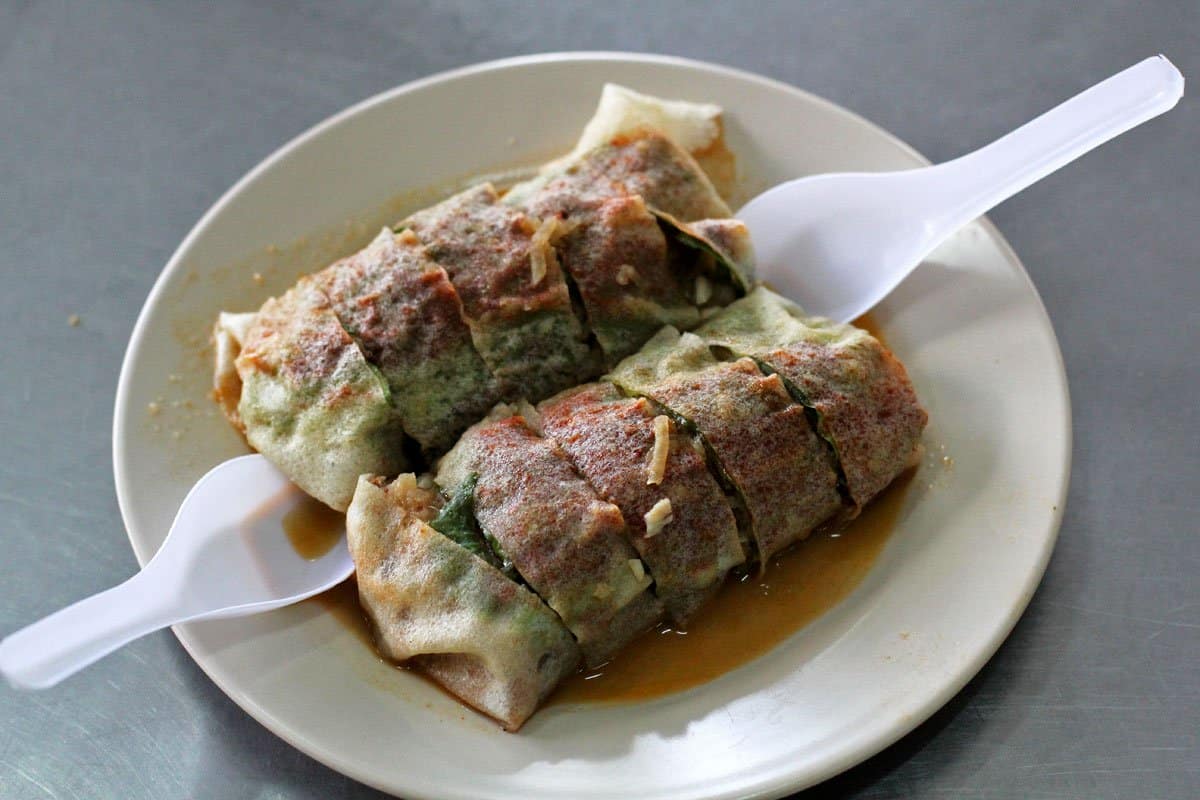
(407, 318)
(309, 400)
(783, 473)
(611, 439)
(525, 329)
(566, 543)
(434, 604)
(865, 404)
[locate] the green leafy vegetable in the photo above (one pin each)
(727, 267)
(456, 521)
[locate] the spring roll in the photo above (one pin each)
(696, 127)
(614, 246)
(616, 253)
(642, 162)
(726, 251)
(515, 299)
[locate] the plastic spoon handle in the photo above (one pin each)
(967, 187)
(65, 642)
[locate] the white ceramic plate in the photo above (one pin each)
(973, 540)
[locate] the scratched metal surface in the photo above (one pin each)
(120, 123)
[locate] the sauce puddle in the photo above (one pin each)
(748, 617)
(342, 604)
(313, 528)
(869, 324)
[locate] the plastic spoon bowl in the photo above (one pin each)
(839, 243)
(226, 555)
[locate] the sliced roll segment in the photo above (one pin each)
(864, 401)
(725, 253)
(761, 438)
(615, 201)
(639, 461)
(438, 606)
(513, 293)
(565, 542)
(309, 400)
(617, 255)
(406, 316)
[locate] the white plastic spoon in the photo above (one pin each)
(226, 555)
(838, 244)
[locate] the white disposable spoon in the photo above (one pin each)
(226, 555)
(838, 244)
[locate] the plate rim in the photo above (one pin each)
(780, 783)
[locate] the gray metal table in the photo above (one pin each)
(120, 123)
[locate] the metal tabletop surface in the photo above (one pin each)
(121, 122)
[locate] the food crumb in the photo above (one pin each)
(73, 320)
(176, 434)
(258, 278)
(173, 378)
(153, 408)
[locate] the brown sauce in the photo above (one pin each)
(869, 324)
(341, 602)
(313, 528)
(748, 617)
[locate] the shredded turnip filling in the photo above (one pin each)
(662, 449)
